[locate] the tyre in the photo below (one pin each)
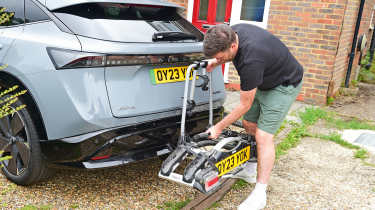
(20, 140)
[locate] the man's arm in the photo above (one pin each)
(246, 100)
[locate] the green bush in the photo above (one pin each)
(367, 75)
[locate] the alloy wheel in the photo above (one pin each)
(14, 142)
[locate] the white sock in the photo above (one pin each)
(257, 199)
(260, 186)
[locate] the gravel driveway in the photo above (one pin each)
(317, 174)
(134, 186)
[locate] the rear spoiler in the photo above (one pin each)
(54, 4)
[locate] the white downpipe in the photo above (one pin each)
(190, 10)
(226, 73)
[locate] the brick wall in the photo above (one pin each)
(311, 30)
(319, 34)
(345, 42)
(183, 3)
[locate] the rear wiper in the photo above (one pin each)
(172, 36)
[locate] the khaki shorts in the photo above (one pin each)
(271, 106)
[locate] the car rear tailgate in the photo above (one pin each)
(131, 89)
(132, 92)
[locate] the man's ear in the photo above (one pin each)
(233, 46)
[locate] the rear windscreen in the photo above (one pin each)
(125, 22)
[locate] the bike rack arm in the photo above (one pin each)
(211, 114)
(226, 141)
(184, 106)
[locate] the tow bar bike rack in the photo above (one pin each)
(211, 160)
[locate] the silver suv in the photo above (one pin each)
(104, 82)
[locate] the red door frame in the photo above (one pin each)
(211, 14)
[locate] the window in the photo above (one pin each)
(252, 10)
(33, 13)
(11, 12)
(220, 11)
(203, 9)
(124, 22)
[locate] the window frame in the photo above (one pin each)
(236, 14)
(41, 9)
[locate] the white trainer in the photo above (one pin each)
(257, 199)
(248, 173)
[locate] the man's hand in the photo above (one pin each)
(214, 132)
(212, 63)
(246, 100)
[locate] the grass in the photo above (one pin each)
(3, 204)
(330, 100)
(31, 207)
(282, 127)
(335, 137)
(10, 188)
(361, 154)
(173, 205)
(311, 115)
(368, 164)
(214, 205)
(367, 75)
(334, 121)
(74, 206)
(291, 140)
(240, 184)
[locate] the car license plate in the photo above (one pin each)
(231, 162)
(167, 75)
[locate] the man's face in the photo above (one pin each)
(227, 55)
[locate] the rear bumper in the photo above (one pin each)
(122, 145)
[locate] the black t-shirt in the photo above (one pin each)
(263, 61)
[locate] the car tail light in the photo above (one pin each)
(68, 59)
(101, 157)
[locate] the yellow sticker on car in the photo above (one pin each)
(168, 75)
(231, 162)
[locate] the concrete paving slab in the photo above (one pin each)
(362, 138)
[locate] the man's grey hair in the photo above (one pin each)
(218, 39)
